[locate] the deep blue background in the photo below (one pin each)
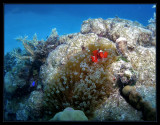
(28, 19)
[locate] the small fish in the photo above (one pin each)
(33, 84)
(94, 59)
(98, 54)
(101, 54)
(95, 52)
(105, 54)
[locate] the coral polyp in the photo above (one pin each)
(81, 83)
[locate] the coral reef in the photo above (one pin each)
(142, 41)
(9, 62)
(80, 83)
(9, 85)
(69, 114)
(152, 27)
(143, 61)
(116, 108)
(106, 72)
(26, 63)
(22, 115)
(116, 27)
(136, 101)
(16, 79)
(16, 109)
(153, 20)
(121, 45)
(127, 89)
(35, 104)
(96, 26)
(37, 50)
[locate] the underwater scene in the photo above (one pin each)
(79, 62)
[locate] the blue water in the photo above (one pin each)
(28, 19)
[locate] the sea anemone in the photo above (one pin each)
(81, 83)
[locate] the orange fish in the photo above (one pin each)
(95, 52)
(105, 54)
(94, 59)
(98, 54)
(101, 54)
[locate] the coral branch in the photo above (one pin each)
(28, 48)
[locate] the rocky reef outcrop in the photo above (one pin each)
(107, 70)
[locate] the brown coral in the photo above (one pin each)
(135, 99)
(121, 45)
(80, 83)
